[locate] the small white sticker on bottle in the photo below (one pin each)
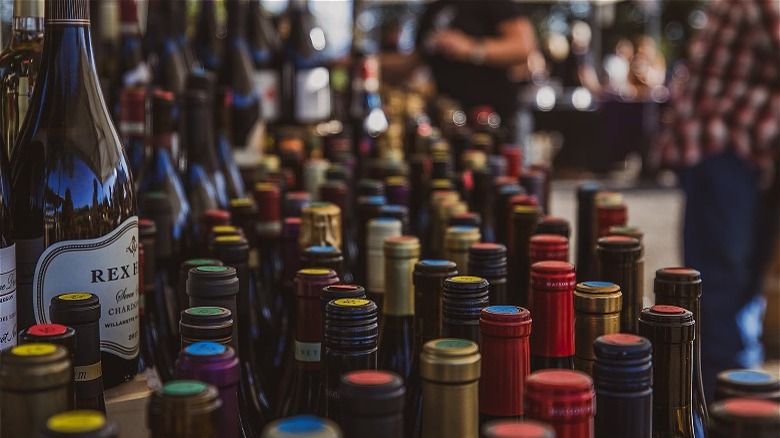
(307, 351)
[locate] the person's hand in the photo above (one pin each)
(454, 44)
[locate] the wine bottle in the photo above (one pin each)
(524, 220)
(586, 229)
(80, 423)
(8, 299)
(69, 166)
(216, 365)
(265, 46)
(372, 403)
(350, 341)
(623, 377)
(683, 287)
(26, 399)
(82, 312)
(54, 334)
(161, 175)
(671, 331)
(546, 390)
(19, 63)
(184, 408)
(597, 307)
(219, 286)
(463, 298)
(450, 370)
(505, 361)
(618, 256)
(162, 301)
(197, 138)
(153, 351)
(306, 94)
(396, 344)
(236, 73)
(302, 388)
(206, 42)
(552, 341)
(254, 327)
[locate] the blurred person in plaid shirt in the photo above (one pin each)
(723, 134)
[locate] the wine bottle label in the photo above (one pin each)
(7, 297)
(266, 84)
(312, 95)
(107, 267)
(307, 351)
(85, 373)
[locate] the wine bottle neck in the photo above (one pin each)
(27, 28)
(67, 50)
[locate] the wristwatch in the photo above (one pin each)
(479, 54)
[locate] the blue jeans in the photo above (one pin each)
(730, 226)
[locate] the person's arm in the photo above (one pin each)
(515, 42)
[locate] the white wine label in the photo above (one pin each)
(266, 84)
(312, 95)
(307, 351)
(107, 267)
(7, 297)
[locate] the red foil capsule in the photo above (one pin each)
(505, 360)
(608, 216)
(563, 398)
(552, 298)
(267, 196)
(548, 247)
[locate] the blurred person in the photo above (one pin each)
(473, 48)
(647, 67)
(617, 66)
(724, 137)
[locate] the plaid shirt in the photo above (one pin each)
(732, 97)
